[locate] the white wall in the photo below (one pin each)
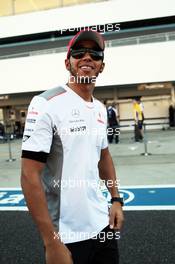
(84, 15)
(153, 108)
(151, 62)
(124, 65)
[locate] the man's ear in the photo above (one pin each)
(102, 67)
(67, 64)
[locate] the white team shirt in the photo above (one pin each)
(68, 134)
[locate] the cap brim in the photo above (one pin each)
(90, 35)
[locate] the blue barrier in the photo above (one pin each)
(137, 197)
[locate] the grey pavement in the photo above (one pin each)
(132, 167)
(148, 238)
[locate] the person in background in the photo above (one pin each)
(171, 110)
(138, 111)
(2, 131)
(113, 123)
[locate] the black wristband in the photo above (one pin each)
(117, 199)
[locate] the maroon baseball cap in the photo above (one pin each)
(86, 34)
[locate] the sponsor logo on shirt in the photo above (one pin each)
(77, 129)
(31, 120)
(33, 113)
(29, 130)
(100, 119)
(75, 113)
(77, 121)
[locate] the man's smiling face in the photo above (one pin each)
(86, 66)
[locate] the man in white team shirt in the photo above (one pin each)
(64, 156)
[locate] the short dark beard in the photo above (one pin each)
(82, 79)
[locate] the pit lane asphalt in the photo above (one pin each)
(148, 237)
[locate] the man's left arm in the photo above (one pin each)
(108, 175)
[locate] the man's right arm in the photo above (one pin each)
(35, 197)
(36, 201)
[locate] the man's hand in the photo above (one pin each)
(116, 216)
(58, 253)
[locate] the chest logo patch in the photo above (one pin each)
(75, 113)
